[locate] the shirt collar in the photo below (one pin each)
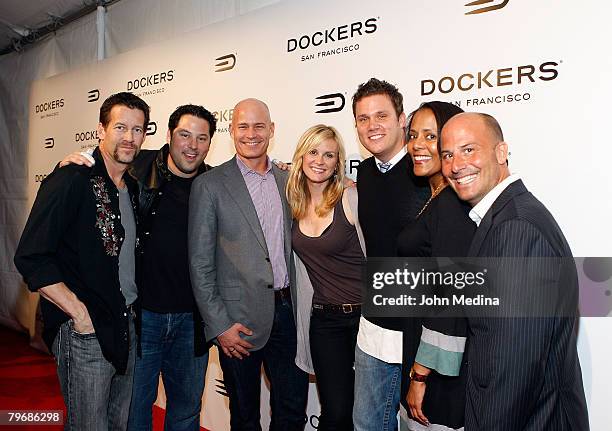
(399, 156)
(245, 170)
(479, 210)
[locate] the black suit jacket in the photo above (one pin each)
(524, 372)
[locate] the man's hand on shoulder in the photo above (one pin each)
(348, 183)
(78, 158)
(281, 165)
(232, 343)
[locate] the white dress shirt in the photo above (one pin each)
(479, 210)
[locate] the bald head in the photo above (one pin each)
(252, 130)
(251, 105)
(477, 121)
(474, 155)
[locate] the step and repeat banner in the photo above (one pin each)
(541, 68)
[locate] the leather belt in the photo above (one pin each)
(337, 308)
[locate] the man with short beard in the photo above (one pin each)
(170, 329)
(78, 251)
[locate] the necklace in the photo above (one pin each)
(435, 193)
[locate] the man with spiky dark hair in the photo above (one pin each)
(171, 335)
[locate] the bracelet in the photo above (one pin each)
(416, 377)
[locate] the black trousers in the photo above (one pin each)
(332, 346)
(288, 384)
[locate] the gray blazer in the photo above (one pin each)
(230, 268)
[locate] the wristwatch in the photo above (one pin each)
(416, 377)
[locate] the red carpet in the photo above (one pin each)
(28, 381)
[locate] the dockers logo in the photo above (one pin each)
(49, 143)
(513, 80)
(333, 34)
(497, 4)
(50, 105)
(224, 115)
(148, 81)
(330, 36)
(86, 139)
(518, 75)
(151, 128)
(330, 103)
(225, 62)
(93, 95)
(89, 135)
(224, 118)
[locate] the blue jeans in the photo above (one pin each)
(96, 397)
(377, 393)
(288, 384)
(167, 346)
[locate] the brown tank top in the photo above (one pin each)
(333, 260)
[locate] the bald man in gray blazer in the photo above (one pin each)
(239, 252)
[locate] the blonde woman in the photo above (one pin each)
(329, 261)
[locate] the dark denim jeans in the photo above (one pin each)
(288, 384)
(96, 397)
(167, 346)
(332, 346)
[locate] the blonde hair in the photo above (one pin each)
(298, 193)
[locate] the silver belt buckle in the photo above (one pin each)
(347, 308)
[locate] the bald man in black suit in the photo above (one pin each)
(524, 372)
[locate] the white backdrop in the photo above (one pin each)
(129, 24)
(551, 54)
